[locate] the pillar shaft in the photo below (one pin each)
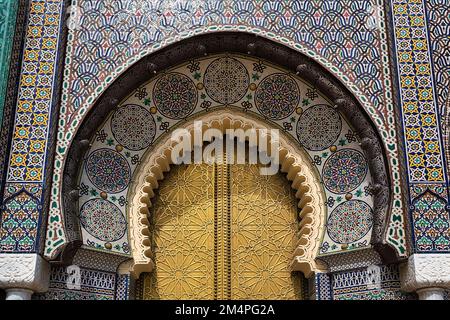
(18, 294)
(431, 294)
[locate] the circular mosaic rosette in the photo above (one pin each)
(226, 80)
(108, 170)
(133, 127)
(175, 95)
(350, 221)
(319, 127)
(103, 220)
(344, 171)
(277, 96)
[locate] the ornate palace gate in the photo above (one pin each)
(223, 232)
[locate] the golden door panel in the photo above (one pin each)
(223, 232)
(263, 229)
(182, 228)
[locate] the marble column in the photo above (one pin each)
(426, 274)
(18, 294)
(431, 294)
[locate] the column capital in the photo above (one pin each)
(425, 270)
(24, 271)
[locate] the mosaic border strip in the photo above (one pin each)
(422, 133)
(7, 106)
(30, 143)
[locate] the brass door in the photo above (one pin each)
(222, 232)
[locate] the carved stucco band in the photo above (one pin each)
(242, 43)
(24, 271)
(425, 271)
(294, 162)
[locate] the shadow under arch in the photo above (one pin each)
(240, 43)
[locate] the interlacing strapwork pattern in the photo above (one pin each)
(264, 228)
(422, 136)
(438, 14)
(182, 233)
(210, 240)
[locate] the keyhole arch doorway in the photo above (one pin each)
(240, 45)
(223, 231)
(297, 173)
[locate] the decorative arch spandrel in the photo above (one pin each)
(363, 137)
(293, 161)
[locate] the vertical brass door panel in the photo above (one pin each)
(263, 235)
(182, 228)
(223, 232)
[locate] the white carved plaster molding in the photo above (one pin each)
(294, 161)
(24, 271)
(425, 271)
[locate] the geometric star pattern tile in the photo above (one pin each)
(438, 14)
(32, 121)
(418, 104)
(21, 212)
(421, 122)
(10, 31)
